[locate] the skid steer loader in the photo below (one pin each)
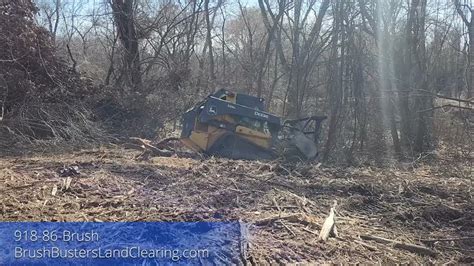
(236, 126)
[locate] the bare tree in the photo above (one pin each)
(306, 47)
(52, 13)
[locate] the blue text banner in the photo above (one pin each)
(119, 243)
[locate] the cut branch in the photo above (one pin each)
(409, 247)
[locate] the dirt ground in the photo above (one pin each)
(284, 206)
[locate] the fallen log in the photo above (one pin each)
(155, 151)
(269, 220)
(150, 150)
(396, 244)
(446, 239)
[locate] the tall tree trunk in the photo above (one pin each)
(416, 123)
(294, 89)
(125, 23)
(385, 65)
(470, 56)
(423, 102)
(335, 87)
(470, 71)
(209, 40)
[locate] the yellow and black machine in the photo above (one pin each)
(236, 126)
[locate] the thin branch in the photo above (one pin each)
(446, 105)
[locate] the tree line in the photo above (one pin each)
(380, 69)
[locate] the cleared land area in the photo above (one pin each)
(283, 206)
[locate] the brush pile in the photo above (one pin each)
(40, 96)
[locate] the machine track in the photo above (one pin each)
(235, 147)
